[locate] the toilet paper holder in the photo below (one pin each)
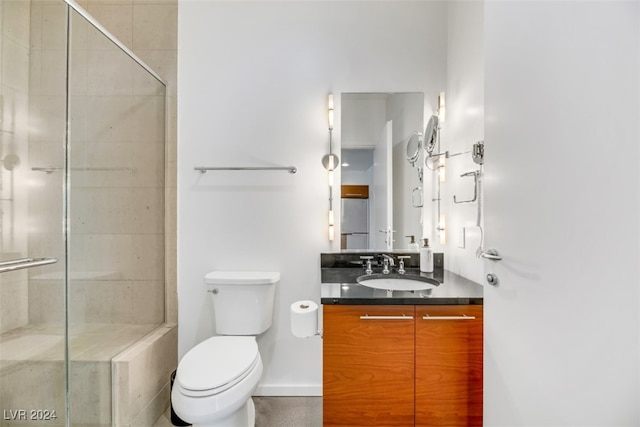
(304, 319)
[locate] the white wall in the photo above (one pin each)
(562, 207)
(252, 86)
(463, 126)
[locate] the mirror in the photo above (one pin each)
(381, 142)
(413, 147)
(431, 134)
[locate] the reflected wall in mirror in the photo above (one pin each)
(375, 130)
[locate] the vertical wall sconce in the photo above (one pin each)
(441, 108)
(441, 171)
(442, 230)
(330, 162)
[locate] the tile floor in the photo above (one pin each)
(278, 412)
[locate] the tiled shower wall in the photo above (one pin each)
(117, 176)
(149, 29)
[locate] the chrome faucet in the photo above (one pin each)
(387, 260)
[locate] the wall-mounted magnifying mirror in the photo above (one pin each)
(414, 144)
(431, 134)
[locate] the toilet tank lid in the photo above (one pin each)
(241, 277)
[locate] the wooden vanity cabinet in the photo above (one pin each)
(368, 365)
(402, 365)
(449, 346)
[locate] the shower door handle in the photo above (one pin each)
(19, 264)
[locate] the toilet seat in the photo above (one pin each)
(217, 364)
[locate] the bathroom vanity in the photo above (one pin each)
(400, 358)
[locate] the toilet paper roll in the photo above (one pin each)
(304, 319)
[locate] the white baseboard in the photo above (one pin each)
(289, 390)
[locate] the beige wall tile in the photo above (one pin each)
(35, 30)
(15, 65)
(110, 118)
(13, 300)
(46, 118)
(33, 385)
(102, 210)
(117, 18)
(54, 32)
(16, 21)
(148, 257)
(109, 72)
(150, 371)
(90, 393)
(149, 118)
(155, 26)
(109, 253)
(147, 161)
(148, 302)
(145, 205)
(53, 73)
(108, 302)
(149, 415)
(78, 73)
(121, 395)
(164, 63)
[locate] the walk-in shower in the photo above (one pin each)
(82, 152)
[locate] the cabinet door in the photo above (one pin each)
(449, 365)
(368, 365)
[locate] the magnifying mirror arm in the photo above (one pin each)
(433, 157)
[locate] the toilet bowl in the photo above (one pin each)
(215, 380)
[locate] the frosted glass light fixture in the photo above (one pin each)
(330, 162)
(442, 229)
(442, 169)
(441, 108)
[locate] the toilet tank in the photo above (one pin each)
(242, 300)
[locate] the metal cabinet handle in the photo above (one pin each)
(463, 317)
(403, 317)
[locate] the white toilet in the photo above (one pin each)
(216, 378)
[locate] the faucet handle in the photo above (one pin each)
(367, 262)
(401, 269)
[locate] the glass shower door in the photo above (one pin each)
(116, 217)
(32, 133)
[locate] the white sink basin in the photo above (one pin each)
(397, 282)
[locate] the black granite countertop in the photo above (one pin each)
(339, 286)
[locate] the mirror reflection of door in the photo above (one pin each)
(383, 191)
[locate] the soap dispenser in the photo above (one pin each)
(426, 257)
(413, 245)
